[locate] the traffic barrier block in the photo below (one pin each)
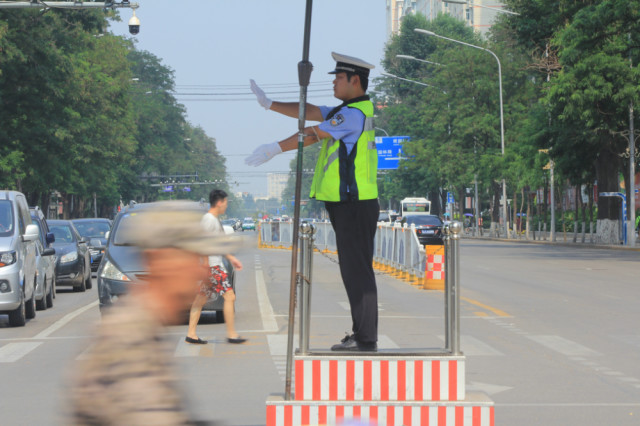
(476, 410)
(434, 271)
(379, 377)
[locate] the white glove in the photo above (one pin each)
(263, 153)
(262, 98)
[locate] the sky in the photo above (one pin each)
(215, 47)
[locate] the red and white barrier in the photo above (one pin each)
(477, 410)
(379, 378)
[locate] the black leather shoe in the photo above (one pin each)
(349, 343)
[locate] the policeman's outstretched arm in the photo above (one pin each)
(267, 151)
(290, 109)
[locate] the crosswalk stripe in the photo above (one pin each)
(14, 351)
(564, 346)
(471, 346)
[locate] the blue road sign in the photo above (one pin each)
(389, 151)
(450, 199)
(168, 188)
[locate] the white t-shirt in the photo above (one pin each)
(211, 223)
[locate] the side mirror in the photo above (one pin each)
(50, 238)
(31, 233)
(48, 252)
(106, 235)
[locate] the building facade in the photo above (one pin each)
(276, 183)
(479, 14)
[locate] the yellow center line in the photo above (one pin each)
(496, 311)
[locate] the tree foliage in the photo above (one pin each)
(84, 112)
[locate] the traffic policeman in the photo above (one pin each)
(345, 178)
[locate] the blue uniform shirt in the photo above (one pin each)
(346, 125)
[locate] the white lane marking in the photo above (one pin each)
(14, 351)
(345, 306)
(567, 404)
(266, 310)
(64, 320)
(471, 346)
(86, 352)
(564, 346)
(487, 388)
(384, 342)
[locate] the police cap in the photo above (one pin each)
(346, 63)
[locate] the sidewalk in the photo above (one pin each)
(561, 240)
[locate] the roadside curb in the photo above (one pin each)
(557, 243)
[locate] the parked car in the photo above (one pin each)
(248, 224)
(235, 224)
(17, 259)
(73, 266)
(45, 262)
(428, 227)
(95, 231)
(122, 267)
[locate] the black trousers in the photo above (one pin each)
(355, 224)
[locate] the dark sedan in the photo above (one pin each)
(94, 230)
(73, 266)
(428, 227)
(122, 267)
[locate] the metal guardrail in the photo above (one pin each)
(397, 249)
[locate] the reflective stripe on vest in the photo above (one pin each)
(342, 177)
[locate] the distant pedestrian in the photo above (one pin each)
(217, 283)
(128, 377)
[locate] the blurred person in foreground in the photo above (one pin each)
(217, 283)
(128, 377)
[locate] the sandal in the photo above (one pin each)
(236, 340)
(197, 341)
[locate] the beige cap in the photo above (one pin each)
(173, 224)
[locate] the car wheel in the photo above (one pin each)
(82, 286)
(50, 295)
(41, 305)
(88, 283)
(17, 318)
(30, 307)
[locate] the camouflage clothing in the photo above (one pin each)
(128, 377)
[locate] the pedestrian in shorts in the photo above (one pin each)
(217, 284)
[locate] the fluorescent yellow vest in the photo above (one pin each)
(342, 177)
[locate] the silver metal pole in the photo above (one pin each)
(475, 179)
(631, 232)
(448, 321)
(455, 230)
(307, 232)
(553, 205)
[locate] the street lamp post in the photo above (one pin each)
(504, 184)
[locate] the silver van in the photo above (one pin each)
(17, 258)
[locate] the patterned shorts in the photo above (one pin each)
(217, 284)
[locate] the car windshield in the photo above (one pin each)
(96, 229)
(62, 233)
(423, 220)
(6, 218)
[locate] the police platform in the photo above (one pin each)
(392, 386)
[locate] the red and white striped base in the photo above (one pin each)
(476, 410)
(379, 378)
